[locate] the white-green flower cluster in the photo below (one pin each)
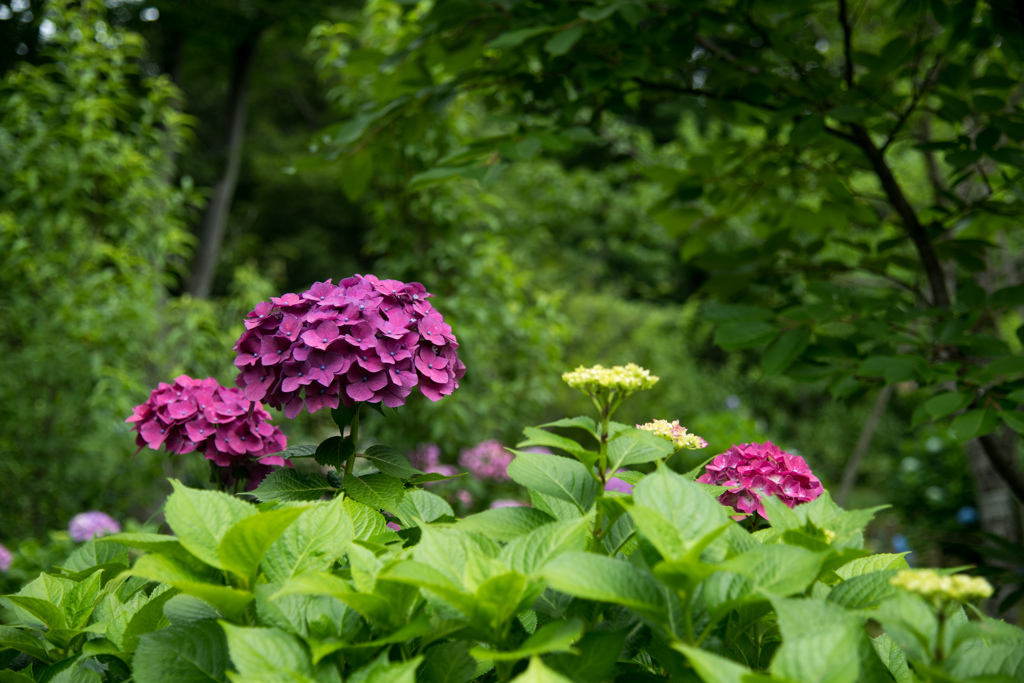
(674, 432)
(938, 589)
(627, 379)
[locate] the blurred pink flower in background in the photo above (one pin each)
(91, 524)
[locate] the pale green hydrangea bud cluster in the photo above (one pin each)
(939, 589)
(627, 379)
(674, 432)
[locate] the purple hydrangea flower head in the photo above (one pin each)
(363, 339)
(508, 503)
(464, 497)
(487, 460)
(91, 524)
(618, 485)
(752, 470)
(201, 415)
(6, 558)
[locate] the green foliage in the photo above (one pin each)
(92, 230)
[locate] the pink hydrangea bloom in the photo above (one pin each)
(201, 415)
(464, 497)
(487, 460)
(394, 526)
(754, 469)
(363, 339)
(6, 558)
(508, 503)
(90, 524)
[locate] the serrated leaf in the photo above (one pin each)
(22, 642)
(378, 491)
(286, 484)
(596, 577)
(539, 437)
(329, 453)
(259, 652)
(872, 563)
(423, 506)
(201, 518)
(892, 658)
(185, 653)
(632, 446)
(505, 524)
(449, 663)
(312, 543)
(558, 636)
(819, 642)
(529, 554)
(580, 422)
(184, 609)
(556, 476)
(389, 461)
(305, 450)
(245, 544)
(230, 601)
(865, 591)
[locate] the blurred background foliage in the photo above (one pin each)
(740, 199)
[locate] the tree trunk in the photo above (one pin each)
(867, 433)
(216, 216)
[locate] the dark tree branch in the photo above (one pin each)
(844, 20)
(911, 224)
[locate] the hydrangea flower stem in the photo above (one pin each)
(353, 433)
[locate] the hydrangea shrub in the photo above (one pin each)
(619, 569)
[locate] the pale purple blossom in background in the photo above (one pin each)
(464, 497)
(425, 456)
(487, 460)
(752, 470)
(619, 485)
(91, 524)
(393, 526)
(508, 503)
(363, 339)
(6, 558)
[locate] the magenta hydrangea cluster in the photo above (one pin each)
(86, 525)
(487, 460)
(753, 470)
(363, 339)
(201, 415)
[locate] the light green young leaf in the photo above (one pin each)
(684, 504)
(556, 476)
(505, 524)
(268, 655)
(819, 642)
(149, 618)
(892, 658)
(778, 569)
(528, 554)
(596, 577)
(381, 670)
(872, 563)
(715, 669)
(245, 543)
(556, 507)
(865, 591)
(632, 446)
(231, 601)
(423, 506)
(312, 543)
(201, 518)
(80, 601)
(539, 437)
(183, 653)
(537, 672)
(40, 611)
